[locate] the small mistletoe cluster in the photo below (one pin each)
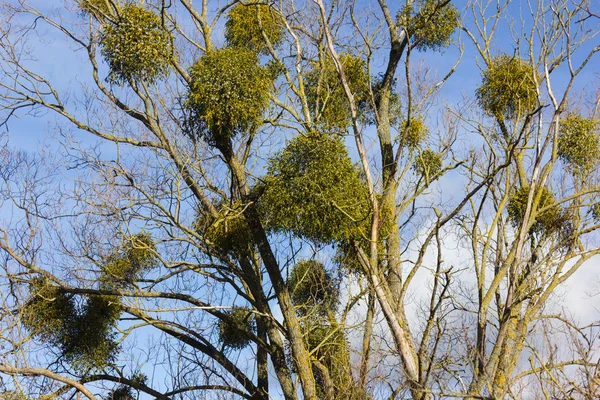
(327, 343)
(427, 164)
(80, 326)
(429, 24)
(229, 233)
(313, 190)
(233, 332)
(326, 96)
(313, 289)
(413, 132)
(127, 265)
(253, 27)
(99, 8)
(508, 89)
(136, 46)
(549, 218)
(579, 144)
(229, 94)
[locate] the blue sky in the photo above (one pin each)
(64, 66)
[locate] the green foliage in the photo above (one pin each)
(312, 288)
(346, 258)
(508, 89)
(328, 344)
(549, 220)
(229, 93)
(367, 111)
(97, 8)
(326, 96)
(414, 132)
(136, 47)
(229, 233)
(82, 332)
(46, 309)
(137, 256)
(428, 23)
(125, 392)
(246, 25)
(20, 395)
(313, 191)
(579, 144)
(122, 392)
(427, 164)
(234, 333)
(595, 210)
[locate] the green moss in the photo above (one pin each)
(312, 288)
(427, 164)
(326, 96)
(83, 333)
(579, 144)
(136, 47)
(137, 256)
(234, 333)
(229, 94)
(313, 191)
(428, 23)
(247, 25)
(508, 89)
(413, 132)
(548, 221)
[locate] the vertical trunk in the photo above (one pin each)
(300, 354)
(389, 293)
(262, 362)
(271, 331)
(366, 343)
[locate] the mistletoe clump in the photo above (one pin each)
(137, 256)
(122, 392)
(326, 96)
(313, 190)
(312, 288)
(229, 233)
(97, 7)
(549, 217)
(136, 46)
(229, 93)
(83, 332)
(595, 211)
(508, 89)
(427, 164)
(248, 25)
(579, 143)
(367, 110)
(233, 333)
(328, 344)
(47, 310)
(413, 132)
(428, 23)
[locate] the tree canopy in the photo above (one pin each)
(299, 200)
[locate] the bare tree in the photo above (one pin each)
(262, 200)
